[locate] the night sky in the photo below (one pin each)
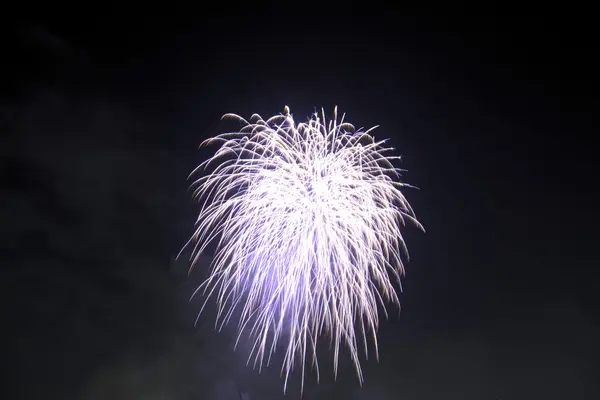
(101, 119)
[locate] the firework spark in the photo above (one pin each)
(306, 218)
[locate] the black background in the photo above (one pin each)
(493, 116)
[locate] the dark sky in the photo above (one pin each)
(492, 115)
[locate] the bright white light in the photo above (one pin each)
(307, 220)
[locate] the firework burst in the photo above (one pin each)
(306, 218)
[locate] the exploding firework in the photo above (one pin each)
(306, 219)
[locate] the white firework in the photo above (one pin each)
(307, 220)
